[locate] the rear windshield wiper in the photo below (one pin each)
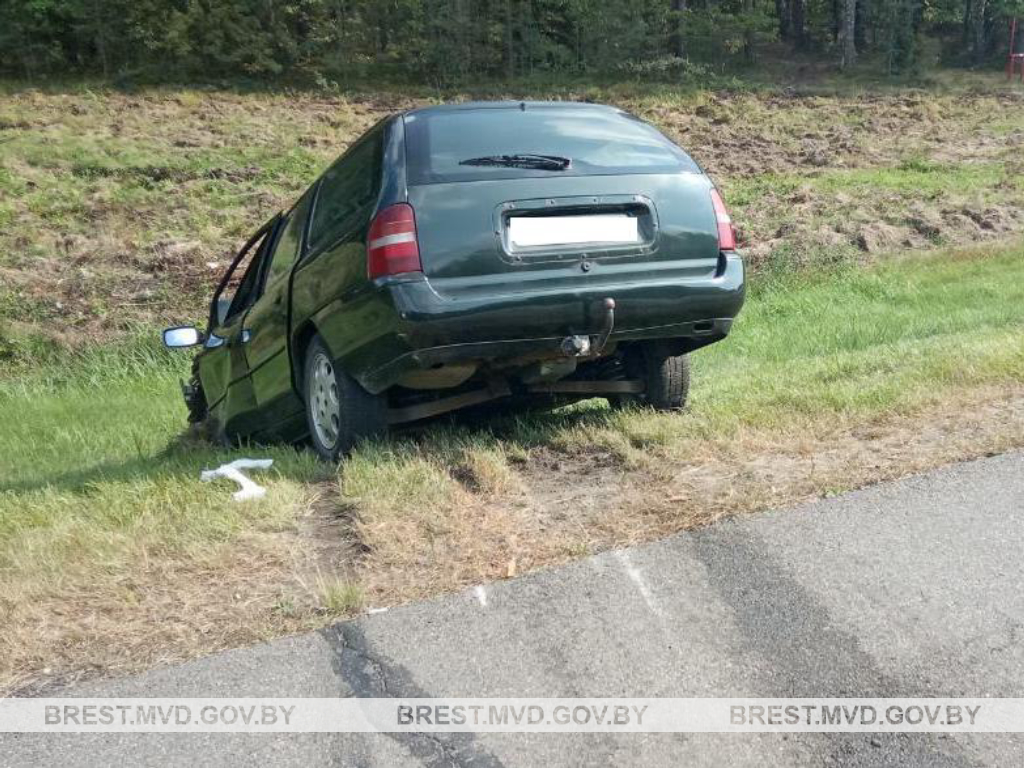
(539, 162)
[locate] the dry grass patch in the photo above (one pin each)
(575, 503)
(151, 610)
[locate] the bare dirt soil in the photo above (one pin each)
(870, 174)
(120, 209)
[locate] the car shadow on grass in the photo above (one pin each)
(187, 455)
(501, 425)
(184, 458)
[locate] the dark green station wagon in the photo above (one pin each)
(468, 253)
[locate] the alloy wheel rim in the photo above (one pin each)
(324, 401)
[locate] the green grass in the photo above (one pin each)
(913, 177)
(339, 597)
(854, 341)
(95, 466)
(99, 486)
(863, 341)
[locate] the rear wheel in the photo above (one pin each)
(339, 412)
(665, 375)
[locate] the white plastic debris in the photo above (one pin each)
(233, 471)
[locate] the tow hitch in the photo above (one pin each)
(607, 325)
(588, 346)
(585, 346)
(576, 346)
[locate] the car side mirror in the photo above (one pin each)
(182, 336)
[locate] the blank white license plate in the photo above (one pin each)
(528, 231)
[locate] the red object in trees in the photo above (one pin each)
(1014, 56)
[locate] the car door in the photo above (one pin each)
(266, 324)
(332, 268)
(223, 367)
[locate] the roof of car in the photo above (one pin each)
(523, 105)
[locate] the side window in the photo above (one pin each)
(243, 285)
(286, 249)
(348, 190)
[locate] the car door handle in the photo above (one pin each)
(245, 336)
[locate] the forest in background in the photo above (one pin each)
(451, 41)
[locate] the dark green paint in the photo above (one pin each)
(475, 300)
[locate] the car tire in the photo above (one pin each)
(339, 412)
(666, 377)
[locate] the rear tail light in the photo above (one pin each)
(391, 246)
(726, 230)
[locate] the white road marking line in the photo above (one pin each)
(641, 583)
(481, 594)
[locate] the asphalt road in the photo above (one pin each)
(913, 588)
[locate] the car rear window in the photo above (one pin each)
(597, 141)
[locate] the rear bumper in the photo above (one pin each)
(699, 334)
(433, 329)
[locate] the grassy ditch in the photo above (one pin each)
(114, 556)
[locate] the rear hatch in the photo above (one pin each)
(627, 204)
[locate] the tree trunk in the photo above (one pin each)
(510, 60)
(462, 32)
(848, 33)
(382, 33)
(798, 24)
(782, 11)
(862, 23)
(101, 38)
(965, 32)
(748, 34)
(677, 43)
(980, 9)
